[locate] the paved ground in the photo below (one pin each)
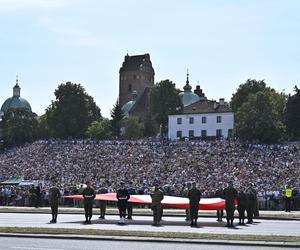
(9, 243)
(143, 223)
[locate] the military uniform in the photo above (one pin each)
(194, 196)
(157, 196)
(89, 195)
(242, 204)
(250, 206)
(131, 191)
(187, 211)
(230, 195)
(54, 195)
(219, 194)
(123, 197)
(102, 203)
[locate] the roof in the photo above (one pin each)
(188, 98)
(128, 106)
(206, 106)
(15, 102)
(134, 62)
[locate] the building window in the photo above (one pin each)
(203, 119)
(179, 120)
(191, 133)
(134, 76)
(191, 120)
(219, 119)
(129, 87)
(219, 133)
(203, 133)
(137, 76)
(179, 134)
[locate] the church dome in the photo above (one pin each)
(187, 96)
(15, 101)
(128, 105)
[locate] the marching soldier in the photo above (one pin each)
(230, 195)
(157, 196)
(194, 195)
(242, 204)
(186, 192)
(250, 205)
(123, 197)
(102, 203)
(89, 195)
(131, 191)
(54, 195)
(219, 194)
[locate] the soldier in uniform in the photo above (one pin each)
(242, 204)
(194, 196)
(230, 195)
(219, 194)
(102, 203)
(186, 192)
(250, 196)
(131, 190)
(123, 197)
(54, 195)
(157, 196)
(89, 195)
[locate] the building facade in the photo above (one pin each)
(202, 119)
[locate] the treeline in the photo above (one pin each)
(262, 115)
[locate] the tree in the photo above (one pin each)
(292, 115)
(256, 120)
(164, 100)
(150, 126)
(117, 116)
(244, 91)
(99, 130)
(19, 126)
(133, 129)
(72, 111)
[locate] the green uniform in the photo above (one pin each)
(194, 195)
(54, 195)
(230, 194)
(157, 196)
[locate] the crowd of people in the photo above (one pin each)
(267, 168)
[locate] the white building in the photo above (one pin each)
(202, 119)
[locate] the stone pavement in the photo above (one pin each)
(143, 223)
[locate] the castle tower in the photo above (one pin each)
(136, 74)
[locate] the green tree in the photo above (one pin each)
(292, 115)
(99, 130)
(117, 115)
(133, 129)
(256, 120)
(164, 100)
(72, 111)
(150, 126)
(19, 126)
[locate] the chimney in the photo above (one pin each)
(222, 101)
(198, 91)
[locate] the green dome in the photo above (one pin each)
(187, 96)
(127, 107)
(15, 101)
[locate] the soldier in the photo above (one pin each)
(102, 203)
(123, 197)
(250, 205)
(230, 195)
(54, 195)
(242, 204)
(219, 194)
(194, 195)
(186, 192)
(131, 191)
(157, 196)
(89, 195)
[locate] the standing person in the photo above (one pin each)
(219, 194)
(186, 192)
(194, 196)
(54, 195)
(32, 196)
(131, 191)
(123, 197)
(230, 195)
(88, 195)
(242, 204)
(288, 193)
(250, 205)
(157, 196)
(38, 195)
(102, 203)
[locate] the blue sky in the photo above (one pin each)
(222, 42)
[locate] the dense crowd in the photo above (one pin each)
(269, 168)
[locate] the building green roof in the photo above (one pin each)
(15, 101)
(187, 96)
